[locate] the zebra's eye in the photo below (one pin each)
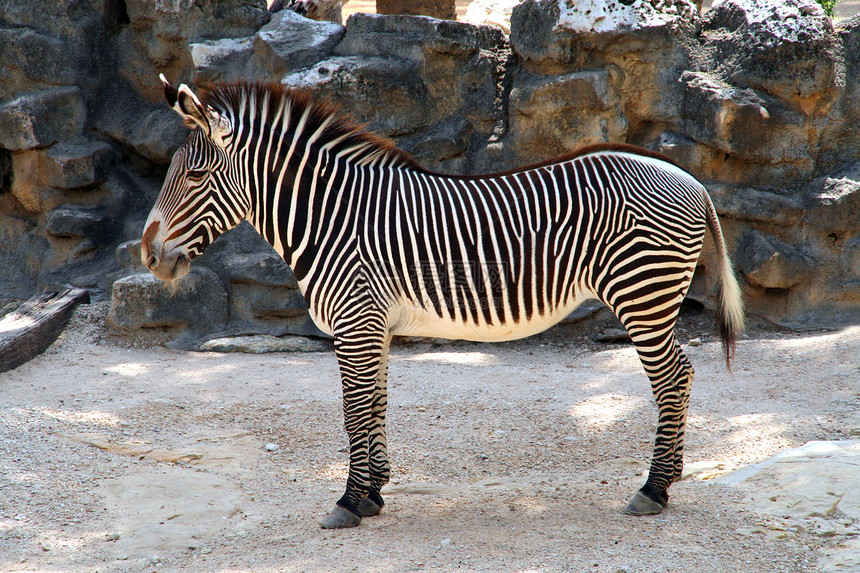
(196, 174)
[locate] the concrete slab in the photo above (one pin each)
(816, 489)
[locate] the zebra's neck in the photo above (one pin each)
(315, 194)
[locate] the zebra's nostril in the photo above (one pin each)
(151, 262)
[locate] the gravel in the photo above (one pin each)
(507, 457)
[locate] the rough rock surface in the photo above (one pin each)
(197, 303)
(264, 343)
(816, 489)
(755, 98)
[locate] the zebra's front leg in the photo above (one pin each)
(380, 468)
(362, 355)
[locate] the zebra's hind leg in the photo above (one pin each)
(671, 376)
(360, 347)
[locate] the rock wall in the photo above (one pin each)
(756, 98)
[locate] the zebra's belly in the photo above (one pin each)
(409, 320)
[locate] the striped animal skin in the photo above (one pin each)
(331, 10)
(382, 247)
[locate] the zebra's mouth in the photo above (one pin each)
(170, 267)
(167, 266)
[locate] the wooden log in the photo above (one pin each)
(29, 330)
(442, 9)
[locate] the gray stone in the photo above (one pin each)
(22, 251)
(415, 37)
(549, 34)
(61, 18)
(291, 42)
(77, 163)
(262, 290)
(154, 131)
(76, 221)
(769, 263)
(42, 118)
(644, 55)
(612, 335)
(425, 69)
(553, 115)
(128, 257)
(371, 89)
(37, 57)
(588, 309)
(784, 47)
(267, 306)
(196, 302)
(243, 254)
(833, 202)
(264, 343)
(742, 122)
(263, 268)
(198, 19)
(762, 206)
(228, 59)
(442, 147)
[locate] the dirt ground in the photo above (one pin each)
(512, 457)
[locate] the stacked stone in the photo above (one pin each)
(755, 98)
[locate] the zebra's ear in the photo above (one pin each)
(185, 103)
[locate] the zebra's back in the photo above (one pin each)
(503, 257)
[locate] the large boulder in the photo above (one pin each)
(225, 59)
(286, 44)
(156, 39)
(785, 48)
(76, 222)
(642, 46)
(263, 293)
(769, 263)
(31, 60)
(833, 204)
(770, 139)
(784, 55)
(291, 42)
(551, 115)
(259, 291)
(431, 84)
(42, 118)
(70, 164)
(192, 305)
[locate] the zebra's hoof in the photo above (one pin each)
(339, 518)
(641, 504)
(368, 508)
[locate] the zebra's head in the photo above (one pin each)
(202, 195)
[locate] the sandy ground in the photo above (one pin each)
(512, 457)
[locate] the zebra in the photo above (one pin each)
(382, 247)
(331, 10)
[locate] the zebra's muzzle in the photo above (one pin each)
(166, 266)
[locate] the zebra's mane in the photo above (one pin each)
(230, 98)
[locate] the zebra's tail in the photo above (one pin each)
(729, 303)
